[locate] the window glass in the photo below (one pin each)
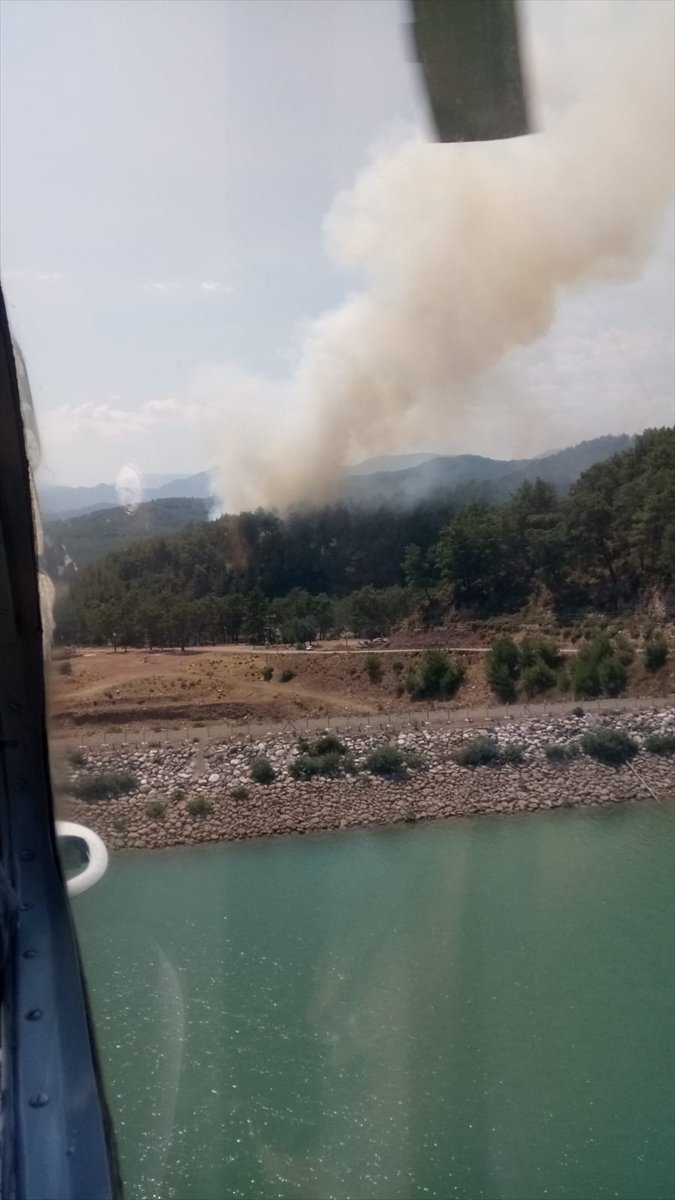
(357, 490)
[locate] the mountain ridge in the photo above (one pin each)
(379, 480)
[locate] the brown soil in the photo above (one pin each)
(226, 683)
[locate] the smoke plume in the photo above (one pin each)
(465, 252)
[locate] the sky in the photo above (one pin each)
(165, 174)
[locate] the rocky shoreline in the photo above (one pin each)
(184, 794)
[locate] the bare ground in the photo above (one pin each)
(102, 689)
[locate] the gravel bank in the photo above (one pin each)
(176, 776)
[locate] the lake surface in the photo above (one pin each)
(478, 1008)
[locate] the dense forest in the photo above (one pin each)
(72, 543)
(260, 576)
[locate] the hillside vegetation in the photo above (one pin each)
(74, 543)
(605, 545)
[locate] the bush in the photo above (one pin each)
(385, 760)
(326, 744)
(578, 711)
(624, 649)
(105, 786)
(373, 667)
(155, 809)
(239, 792)
(199, 806)
(502, 667)
(177, 795)
(613, 676)
(287, 674)
(305, 766)
(437, 675)
(536, 649)
(656, 652)
(660, 743)
(262, 770)
(538, 677)
(597, 669)
(397, 666)
(512, 753)
(414, 760)
(76, 758)
(481, 751)
(66, 668)
(611, 746)
(561, 751)
(267, 673)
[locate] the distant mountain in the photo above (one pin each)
(61, 501)
(198, 487)
(477, 477)
(390, 462)
(397, 479)
(77, 542)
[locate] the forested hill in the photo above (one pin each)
(470, 475)
(71, 545)
(611, 538)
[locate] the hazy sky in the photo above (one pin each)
(166, 168)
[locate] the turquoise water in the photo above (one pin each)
(471, 1009)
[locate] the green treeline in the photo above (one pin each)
(315, 573)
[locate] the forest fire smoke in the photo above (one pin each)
(465, 252)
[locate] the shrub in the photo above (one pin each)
(267, 673)
(287, 674)
(414, 760)
(512, 753)
(397, 666)
(563, 679)
(105, 786)
(262, 770)
(624, 649)
(480, 751)
(578, 711)
(326, 744)
(155, 809)
(613, 676)
(306, 766)
(385, 760)
(76, 758)
(502, 667)
(660, 743)
(239, 792)
(326, 756)
(611, 746)
(373, 667)
(119, 824)
(656, 652)
(561, 751)
(539, 649)
(591, 671)
(437, 675)
(538, 677)
(66, 668)
(177, 795)
(199, 806)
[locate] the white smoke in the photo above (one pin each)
(465, 252)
